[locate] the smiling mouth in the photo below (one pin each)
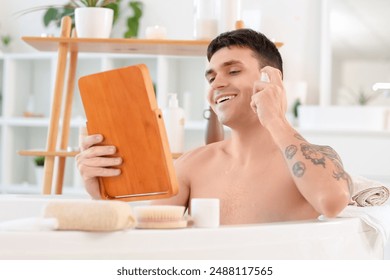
(224, 98)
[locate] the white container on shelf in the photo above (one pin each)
(174, 123)
(93, 22)
(205, 19)
(230, 13)
(156, 32)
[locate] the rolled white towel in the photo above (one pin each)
(90, 215)
(367, 192)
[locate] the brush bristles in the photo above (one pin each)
(164, 216)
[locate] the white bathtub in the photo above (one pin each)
(342, 238)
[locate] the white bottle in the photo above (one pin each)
(174, 124)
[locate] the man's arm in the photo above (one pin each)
(316, 170)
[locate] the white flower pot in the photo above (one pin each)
(93, 22)
(39, 175)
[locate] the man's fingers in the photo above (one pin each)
(91, 172)
(88, 141)
(99, 151)
(253, 105)
(102, 161)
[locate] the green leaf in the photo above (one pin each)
(115, 8)
(137, 8)
(132, 27)
(133, 21)
(297, 103)
(85, 2)
(67, 11)
(50, 15)
(108, 2)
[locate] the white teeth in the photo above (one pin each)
(224, 98)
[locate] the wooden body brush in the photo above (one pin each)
(160, 217)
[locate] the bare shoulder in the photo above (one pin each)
(199, 156)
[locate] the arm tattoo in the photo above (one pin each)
(314, 153)
(339, 173)
(290, 151)
(298, 136)
(299, 169)
(317, 155)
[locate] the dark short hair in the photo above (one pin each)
(264, 49)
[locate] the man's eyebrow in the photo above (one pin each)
(227, 63)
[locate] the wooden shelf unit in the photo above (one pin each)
(68, 47)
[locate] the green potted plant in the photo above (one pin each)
(39, 165)
(54, 13)
(94, 18)
(39, 161)
(361, 97)
(5, 40)
(104, 14)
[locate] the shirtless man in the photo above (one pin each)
(266, 171)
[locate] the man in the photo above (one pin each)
(266, 171)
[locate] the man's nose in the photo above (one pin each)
(219, 82)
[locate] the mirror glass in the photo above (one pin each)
(360, 37)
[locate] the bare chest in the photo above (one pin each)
(249, 194)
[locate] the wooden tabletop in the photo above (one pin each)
(120, 45)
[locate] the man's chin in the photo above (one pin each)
(224, 120)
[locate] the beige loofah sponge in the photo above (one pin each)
(90, 215)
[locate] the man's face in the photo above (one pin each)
(231, 74)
